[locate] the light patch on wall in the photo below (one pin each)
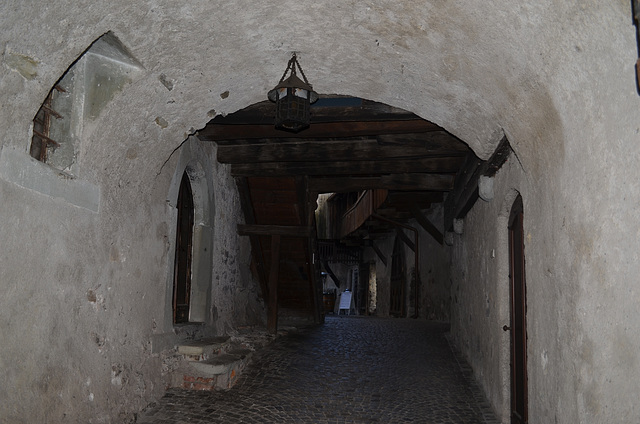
(168, 84)
(544, 360)
(22, 64)
(162, 123)
(109, 67)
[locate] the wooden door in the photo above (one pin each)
(184, 249)
(519, 395)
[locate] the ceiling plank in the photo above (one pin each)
(439, 165)
(325, 110)
(274, 230)
(216, 132)
(434, 144)
(417, 181)
(416, 197)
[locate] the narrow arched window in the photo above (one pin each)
(184, 253)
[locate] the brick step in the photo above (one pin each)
(219, 372)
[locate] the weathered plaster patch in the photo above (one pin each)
(166, 82)
(24, 65)
(162, 123)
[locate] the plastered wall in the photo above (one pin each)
(84, 263)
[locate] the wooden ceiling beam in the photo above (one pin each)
(417, 181)
(217, 132)
(292, 150)
(441, 165)
(274, 230)
(325, 110)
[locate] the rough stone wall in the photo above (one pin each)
(480, 286)
(556, 77)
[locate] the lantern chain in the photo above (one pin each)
(292, 66)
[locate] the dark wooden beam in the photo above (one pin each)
(465, 193)
(333, 276)
(432, 140)
(249, 218)
(428, 226)
(415, 198)
(377, 250)
(302, 193)
(406, 239)
(498, 158)
(399, 182)
(272, 317)
(272, 230)
(440, 165)
(327, 109)
(215, 132)
(293, 150)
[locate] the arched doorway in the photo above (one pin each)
(518, 326)
(184, 252)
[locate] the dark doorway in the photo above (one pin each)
(519, 395)
(398, 274)
(184, 249)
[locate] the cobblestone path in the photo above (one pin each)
(349, 370)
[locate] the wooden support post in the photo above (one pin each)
(249, 217)
(272, 318)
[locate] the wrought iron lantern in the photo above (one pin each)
(293, 98)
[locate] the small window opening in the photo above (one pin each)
(82, 92)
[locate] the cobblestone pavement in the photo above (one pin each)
(349, 370)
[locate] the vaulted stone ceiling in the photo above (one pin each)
(478, 70)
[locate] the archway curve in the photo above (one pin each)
(192, 164)
(447, 64)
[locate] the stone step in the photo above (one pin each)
(221, 364)
(216, 363)
(203, 349)
(217, 373)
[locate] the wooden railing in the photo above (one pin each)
(365, 206)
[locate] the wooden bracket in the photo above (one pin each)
(406, 239)
(427, 225)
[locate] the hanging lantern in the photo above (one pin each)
(293, 98)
